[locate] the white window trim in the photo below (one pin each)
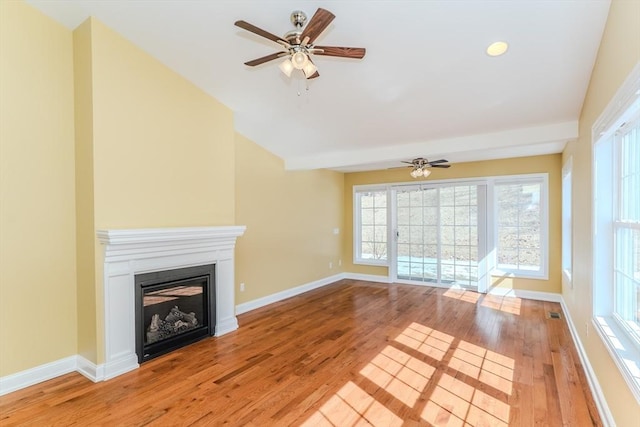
(622, 349)
(357, 260)
(544, 243)
(567, 234)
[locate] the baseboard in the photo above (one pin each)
(594, 385)
(288, 293)
(89, 369)
(368, 277)
(29, 377)
(519, 293)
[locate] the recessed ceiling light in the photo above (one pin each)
(497, 48)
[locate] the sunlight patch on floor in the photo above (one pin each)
(455, 403)
(352, 406)
(399, 374)
(427, 341)
(462, 295)
(484, 365)
(510, 305)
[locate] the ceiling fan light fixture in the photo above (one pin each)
(416, 173)
(299, 60)
(287, 67)
(426, 172)
(309, 69)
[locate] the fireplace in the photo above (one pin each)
(174, 308)
(132, 252)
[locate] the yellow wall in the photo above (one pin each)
(618, 54)
(290, 217)
(550, 164)
(37, 207)
(158, 151)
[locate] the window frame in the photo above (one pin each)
(621, 345)
(543, 180)
(357, 225)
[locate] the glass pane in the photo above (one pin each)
(431, 253)
(430, 197)
(462, 215)
(403, 216)
(447, 197)
(462, 195)
(447, 216)
(380, 216)
(380, 199)
(380, 233)
(430, 216)
(416, 215)
(402, 198)
(416, 235)
(430, 234)
(404, 234)
(366, 200)
(403, 252)
(462, 236)
(367, 217)
(447, 235)
(627, 276)
(630, 176)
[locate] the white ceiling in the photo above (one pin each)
(426, 87)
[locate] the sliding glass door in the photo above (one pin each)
(440, 234)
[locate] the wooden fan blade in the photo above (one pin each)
(259, 31)
(265, 59)
(318, 23)
(440, 166)
(439, 161)
(343, 52)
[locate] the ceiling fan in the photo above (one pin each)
(297, 45)
(420, 166)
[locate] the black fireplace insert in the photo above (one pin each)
(174, 308)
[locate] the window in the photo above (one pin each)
(616, 229)
(567, 223)
(521, 226)
(370, 225)
(626, 253)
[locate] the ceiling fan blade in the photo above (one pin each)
(259, 31)
(344, 52)
(439, 161)
(440, 166)
(318, 23)
(313, 76)
(265, 59)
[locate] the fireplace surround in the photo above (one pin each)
(131, 252)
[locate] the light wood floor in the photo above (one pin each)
(351, 353)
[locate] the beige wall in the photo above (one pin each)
(290, 217)
(618, 54)
(158, 151)
(37, 208)
(550, 164)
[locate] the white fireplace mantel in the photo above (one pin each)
(129, 252)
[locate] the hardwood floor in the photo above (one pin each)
(351, 353)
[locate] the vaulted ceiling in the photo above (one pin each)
(426, 87)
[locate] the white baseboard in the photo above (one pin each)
(594, 385)
(519, 293)
(29, 377)
(89, 369)
(288, 293)
(367, 277)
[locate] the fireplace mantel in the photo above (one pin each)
(128, 252)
